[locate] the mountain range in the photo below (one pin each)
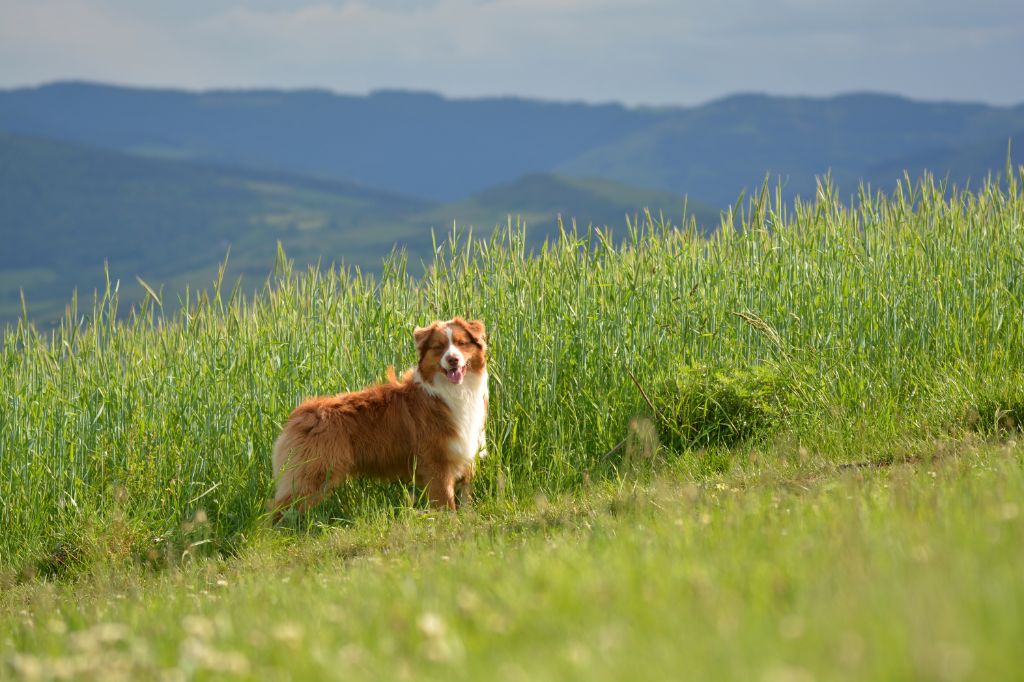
(160, 183)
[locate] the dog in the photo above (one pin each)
(427, 427)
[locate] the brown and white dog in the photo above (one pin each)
(429, 425)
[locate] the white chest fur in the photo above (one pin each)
(468, 404)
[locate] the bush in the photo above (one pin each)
(997, 409)
(702, 406)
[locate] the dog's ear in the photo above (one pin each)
(421, 335)
(477, 331)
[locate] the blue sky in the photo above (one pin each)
(634, 51)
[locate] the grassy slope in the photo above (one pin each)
(135, 460)
(861, 315)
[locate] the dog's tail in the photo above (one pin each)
(287, 448)
(406, 375)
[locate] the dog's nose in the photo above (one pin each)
(451, 361)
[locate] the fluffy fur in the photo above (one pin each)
(428, 425)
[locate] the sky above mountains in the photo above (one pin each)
(634, 51)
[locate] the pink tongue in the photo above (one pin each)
(455, 375)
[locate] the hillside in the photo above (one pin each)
(412, 143)
(67, 209)
(711, 151)
(444, 149)
(969, 163)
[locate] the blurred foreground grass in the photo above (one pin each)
(779, 572)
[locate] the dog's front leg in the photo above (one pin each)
(441, 490)
(439, 481)
(464, 485)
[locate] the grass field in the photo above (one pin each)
(787, 452)
(910, 572)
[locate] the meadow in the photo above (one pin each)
(788, 451)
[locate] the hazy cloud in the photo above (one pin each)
(641, 51)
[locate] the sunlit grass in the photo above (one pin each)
(889, 321)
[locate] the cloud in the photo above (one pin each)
(51, 39)
(547, 47)
(445, 30)
(644, 51)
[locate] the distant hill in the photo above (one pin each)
(443, 149)
(963, 166)
(710, 152)
(65, 209)
(411, 143)
(161, 183)
(84, 204)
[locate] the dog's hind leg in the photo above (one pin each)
(307, 469)
(303, 491)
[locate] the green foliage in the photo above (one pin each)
(997, 406)
(702, 407)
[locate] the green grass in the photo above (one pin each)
(889, 321)
(787, 452)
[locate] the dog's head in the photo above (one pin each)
(451, 349)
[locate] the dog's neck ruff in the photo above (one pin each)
(468, 405)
